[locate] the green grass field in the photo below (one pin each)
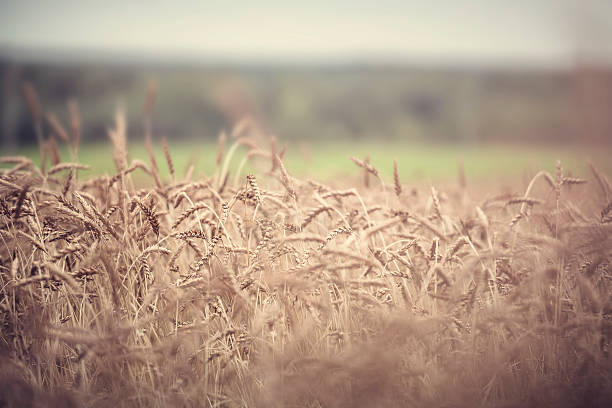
(328, 161)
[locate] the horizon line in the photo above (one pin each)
(61, 55)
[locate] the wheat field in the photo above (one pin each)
(273, 291)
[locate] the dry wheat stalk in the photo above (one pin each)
(221, 147)
(187, 213)
(252, 182)
(436, 203)
(313, 213)
(285, 178)
(53, 151)
(168, 157)
(396, 180)
(57, 127)
(151, 216)
(67, 166)
(75, 123)
(366, 166)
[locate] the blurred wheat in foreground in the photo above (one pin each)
(269, 291)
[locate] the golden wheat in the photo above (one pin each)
(342, 296)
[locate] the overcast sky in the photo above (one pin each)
(489, 31)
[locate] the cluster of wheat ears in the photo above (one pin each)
(267, 290)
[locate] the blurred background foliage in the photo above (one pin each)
(322, 103)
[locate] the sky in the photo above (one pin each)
(536, 32)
